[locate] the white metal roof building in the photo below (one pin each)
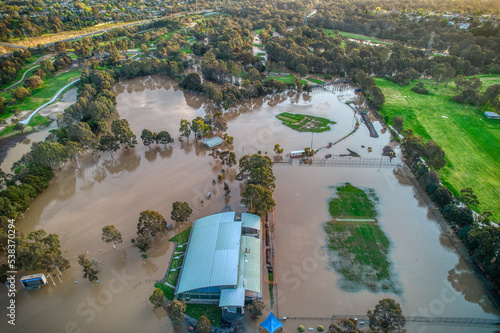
(223, 261)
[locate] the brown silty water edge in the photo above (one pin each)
(78, 203)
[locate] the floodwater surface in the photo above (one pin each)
(115, 189)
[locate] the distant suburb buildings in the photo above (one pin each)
(222, 264)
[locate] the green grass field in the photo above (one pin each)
(304, 122)
(329, 32)
(470, 140)
(315, 81)
(42, 94)
(286, 79)
(179, 239)
(211, 311)
(353, 202)
(361, 250)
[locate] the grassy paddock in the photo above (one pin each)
(470, 140)
(352, 202)
(304, 122)
(285, 79)
(329, 32)
(361, 250)
(315, 81)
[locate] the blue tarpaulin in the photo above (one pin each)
(271, 323)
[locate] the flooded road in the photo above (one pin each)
(114, 190)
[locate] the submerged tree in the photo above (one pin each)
(180, 211)
(124, 135)
(90, 270)
(387, 317)
(111, 235)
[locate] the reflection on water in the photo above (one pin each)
(114, 190)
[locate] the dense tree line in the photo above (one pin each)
(258, 195)
(480, 237)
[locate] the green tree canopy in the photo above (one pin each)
(90, 269)
(387, 317)
(175, 310)
(37, 250)
(151, 223)
(111, 235)
(203, 325)
(124, 135)
(180, 211)
(157, 298)
(147, 137)
(48, 154)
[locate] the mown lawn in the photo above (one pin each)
(315, 81)
(353, 202)
(180, 239)
(470, 140)
(43, 94)
(329, 32)
(304, 122)
(286, 79)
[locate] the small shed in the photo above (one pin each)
(492, 115)
(213, 142)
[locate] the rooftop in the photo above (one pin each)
(213, 142)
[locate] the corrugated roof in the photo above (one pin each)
(232, 297)
(250, 263)
(250, 221)
(213, 142)
(213, 253)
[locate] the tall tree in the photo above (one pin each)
(185, 128)
(435, 155)
(151, 223)
(175, 310)
(344, 326)
(37, 250)
(143, 242)
(46, 66)
(147, 137)
(90, 269)
(111, 235)
(398, 123)
(121, 130)
(387, 317)
(468, 197)
(157, 298)
(258, 198)
(48, 154)
(180, 211)
(163, 137)
(203, 325)
(256, 308)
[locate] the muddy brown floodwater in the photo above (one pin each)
(114, 190)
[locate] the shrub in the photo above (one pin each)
(321, 328)
(301, 328)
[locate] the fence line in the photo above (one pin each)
(417, 319)
(347, 161)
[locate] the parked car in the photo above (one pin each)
(328, 155)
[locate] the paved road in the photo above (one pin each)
(14, 46)
(26, 121)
